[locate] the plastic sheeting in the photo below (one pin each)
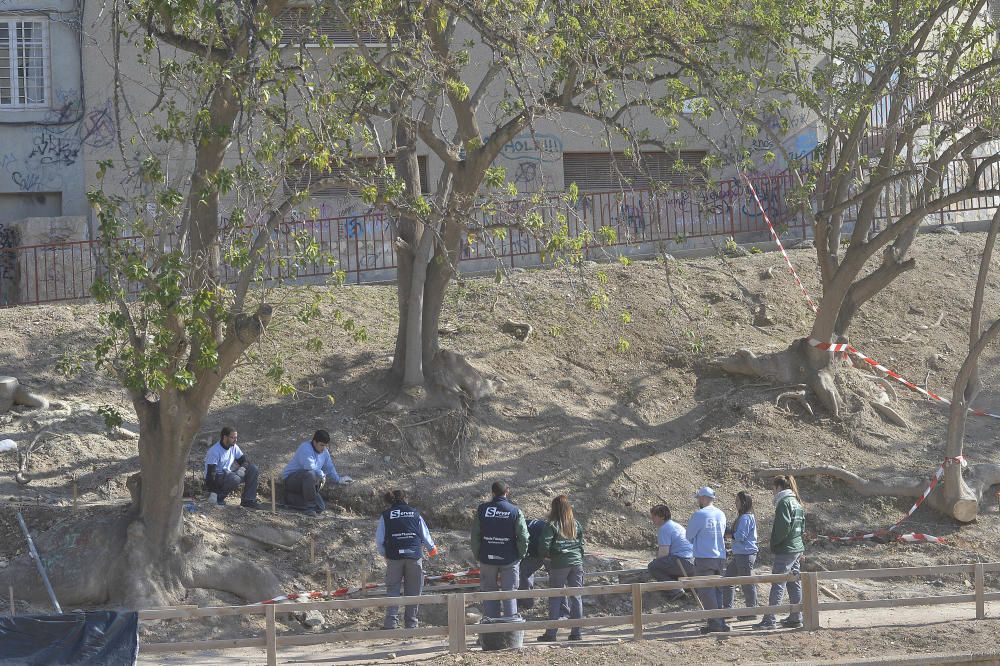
(92, 638)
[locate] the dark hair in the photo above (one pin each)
(786, 483)
(661, 510)
(561, 516)
(499, 489)
(744, 503)
(395, 496)
(322, 436)
(226, 432)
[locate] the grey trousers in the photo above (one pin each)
(785, 563)
(227, 482)
(529, 566)
(671, 567)
(493, 578)
(566, 577)
(409, 574)
(740, 565)
(711, 597)
(302, 491)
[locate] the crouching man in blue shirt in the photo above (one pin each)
(227, 468)
(308, 470)
(706, 531)
(674, 555)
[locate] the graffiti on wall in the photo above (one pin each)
(533, 161)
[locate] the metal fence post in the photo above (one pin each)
(637, 611)
(456, 623)
(980, 592)
(271, 636)
(810, 600)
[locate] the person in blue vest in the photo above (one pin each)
(227, 468)
(499, 541)
(307, 471)
(402, 537)
(706, 531)
(744, 534)
(531, 563)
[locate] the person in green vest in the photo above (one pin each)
(787, 548)
(562, 543)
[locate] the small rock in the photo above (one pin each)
(313, 619)
(668, 349)
(916, 310)
(763, 317)
(391, 655)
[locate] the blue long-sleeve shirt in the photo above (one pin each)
(425, 535)
(745, 535)
(307, 460)
(706, 531)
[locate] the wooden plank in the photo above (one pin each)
(339, 636)
(270, 635)
(691, 616)
(456, 623)
(980, 593)
(207, 611)
(898, 603)
(991, 567)
(941, 570)
(193, 646)
(274, 505)
(991, 596)
(342, 604)
(810, 601)
(637, 612)
(500, 627)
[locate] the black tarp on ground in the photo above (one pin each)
(92, 638)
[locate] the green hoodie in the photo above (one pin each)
(564, 552)
(789, 521)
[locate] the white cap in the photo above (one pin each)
(705, 491)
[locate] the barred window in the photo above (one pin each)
(24, 63)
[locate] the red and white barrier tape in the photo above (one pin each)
(774, 235)
(467, 576)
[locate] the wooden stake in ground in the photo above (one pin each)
(274, 507)
(13, 610)
(693, 593)
(364, 580)
(329, 579)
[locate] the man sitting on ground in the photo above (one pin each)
(220, 477)
(306, 473)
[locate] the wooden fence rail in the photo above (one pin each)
(457, 631)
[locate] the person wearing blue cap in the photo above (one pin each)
(706, 531)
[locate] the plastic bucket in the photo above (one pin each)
(502, 640)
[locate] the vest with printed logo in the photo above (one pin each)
(403, 538)
(497, 532)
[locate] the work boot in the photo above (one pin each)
(251, 504)
(789, 623)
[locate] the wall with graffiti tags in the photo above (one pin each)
(42, 139)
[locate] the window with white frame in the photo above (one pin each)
(24, 63)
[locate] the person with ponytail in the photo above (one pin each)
(562, 542)
(744, 533)
(787, 547)
(401, 538)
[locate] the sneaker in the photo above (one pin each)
(764, 626)
(746, 618)
(789, 623)
(724, 629)
(251, 504)
(575, 637)
(310, 513)
(545, 638)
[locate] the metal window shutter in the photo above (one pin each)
(297, 23)
(609, 171)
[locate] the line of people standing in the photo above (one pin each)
(700, 550)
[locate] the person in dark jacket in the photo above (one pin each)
(499, 541)
(227, 468)
(744, 534)
(787, 548)
(531, 563)
(401, 538)
(562, 541)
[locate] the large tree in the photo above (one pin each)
(906, 95)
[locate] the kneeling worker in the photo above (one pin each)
(306, 473)
(401, 537)
(220, 477)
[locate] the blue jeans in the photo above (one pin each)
(785, 563)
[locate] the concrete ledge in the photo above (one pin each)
(992, 659)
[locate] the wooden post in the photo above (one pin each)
(329, 579)
(637, 611)
(274, 499)
(271, 636)
(980, 593)
(810, 600)
(456, 623)
(693, 593)
(13, 608)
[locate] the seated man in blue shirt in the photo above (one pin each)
(674, 555)
(308, 470)
(221, 478)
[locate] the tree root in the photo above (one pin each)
(889, 414)
(797, 396)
